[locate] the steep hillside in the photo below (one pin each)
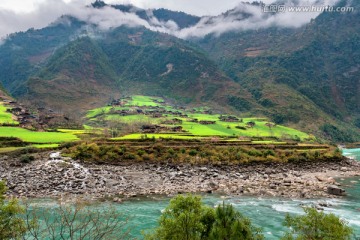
(307, 77)
(23, 53)
(161, 65)
(87, 72)
(74, 77)
(3, 92)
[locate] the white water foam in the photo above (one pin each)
(56, 158)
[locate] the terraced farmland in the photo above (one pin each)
(6, 117)
(190, 123)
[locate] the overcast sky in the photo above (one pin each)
(20, 15)
(198, 7)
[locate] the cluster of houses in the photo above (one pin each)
(160, 129)
(23, 116)
(120, 102)
(158, 112)
(155, 112)
(225, 118)
(173, 121)
(37, 118)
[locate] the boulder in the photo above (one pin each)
(335, 190)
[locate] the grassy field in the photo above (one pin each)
(37, 137)
(132, 118)
(6, 117)
(8, 149)
(145, 101)
(41, 146)
(232, 130)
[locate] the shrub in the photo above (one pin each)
(140, 152)
(12, 226)
(27, 158)
(316, 225)
(187, 218)
(193, 152)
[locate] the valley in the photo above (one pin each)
(292, 77)
(117, 105)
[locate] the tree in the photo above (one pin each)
(316, 225)
(231, 225)
(78, 221)
(12, 226)
(186, 218)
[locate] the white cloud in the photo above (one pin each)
(47, 11)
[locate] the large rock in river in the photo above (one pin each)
(335, 190)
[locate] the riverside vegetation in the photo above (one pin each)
(218, 152)
(186, 218)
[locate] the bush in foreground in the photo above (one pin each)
(12, 225)
(187, 218)
(315, 225)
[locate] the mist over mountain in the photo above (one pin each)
(296, 71)
(104, 16)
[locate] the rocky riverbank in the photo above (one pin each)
(57, 176)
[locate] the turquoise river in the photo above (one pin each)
(268, 213)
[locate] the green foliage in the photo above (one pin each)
(316, 225)
(27, 158)
(357, 122)
(75, 221)
(6, 117)
(182, 19)
(240, 104)
(205, 154)
(12, 226)
(193, 152)
(229, 224)
(183, 219)
(334, 133)
(266, 103)
(187, 218)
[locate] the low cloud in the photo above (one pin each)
(242, 17)
(246, 17)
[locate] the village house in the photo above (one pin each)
(172, 121)
(225, 118)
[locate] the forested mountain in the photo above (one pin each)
(307, 77)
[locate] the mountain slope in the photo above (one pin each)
(3, 92)
(24, 53)
(75, 77)
(87, 72)
(308, 77)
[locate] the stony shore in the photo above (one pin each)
(65, 177)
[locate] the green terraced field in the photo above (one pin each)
(37, 137)
(41, 146)
(145, 101)
(132, 118)
(104, 110)
(6, 117)
(157, 136)
(193, 129)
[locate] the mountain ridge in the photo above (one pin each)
(305, 77)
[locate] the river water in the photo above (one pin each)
(268, 213)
